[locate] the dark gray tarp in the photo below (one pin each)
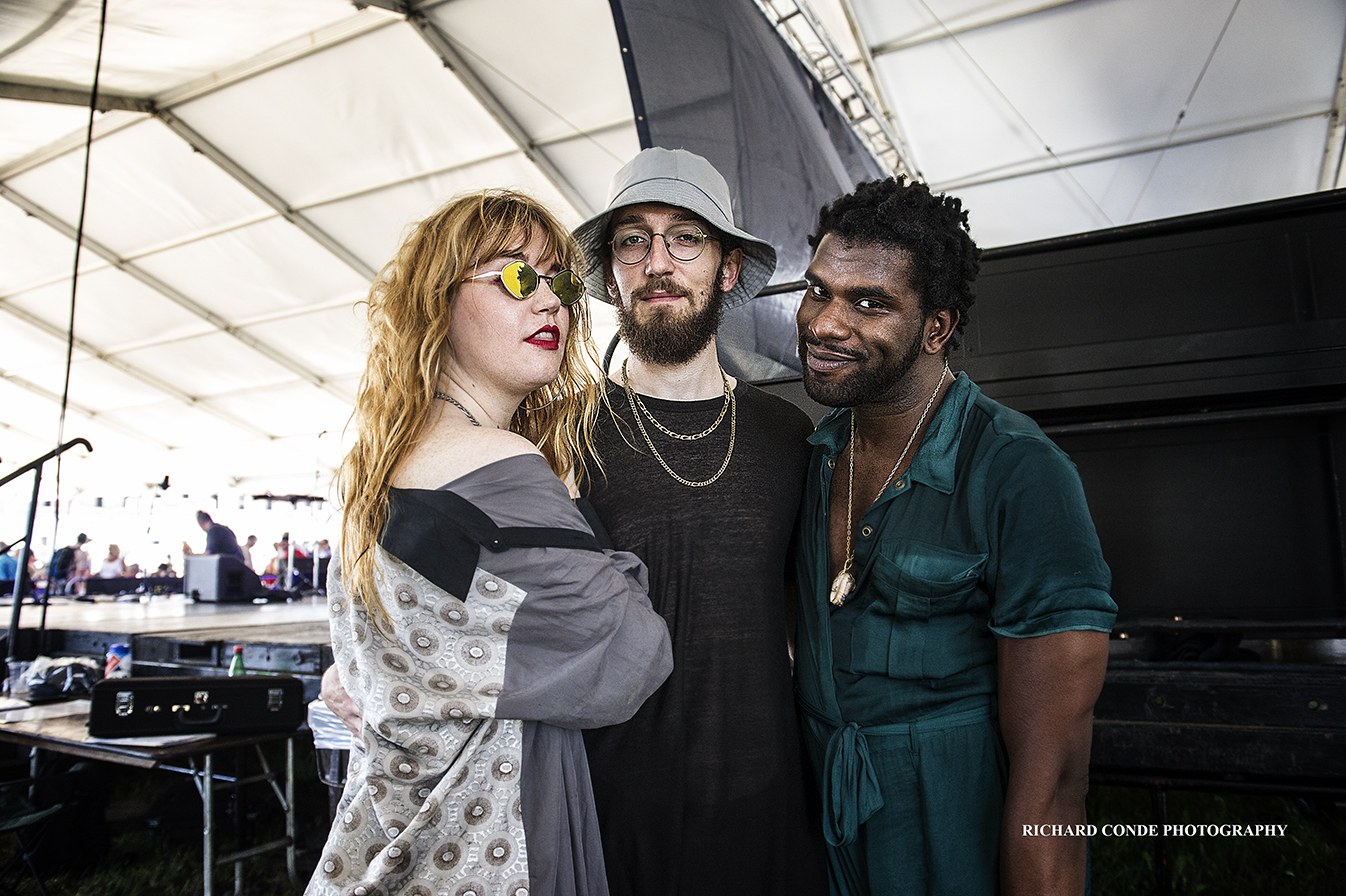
(714, 77)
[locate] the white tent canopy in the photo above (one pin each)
(259, 161)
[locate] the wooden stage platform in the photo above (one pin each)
(171, 635)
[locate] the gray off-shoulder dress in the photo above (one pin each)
(511, 629)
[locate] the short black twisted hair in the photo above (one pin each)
(933, 230)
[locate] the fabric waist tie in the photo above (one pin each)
(850, 786)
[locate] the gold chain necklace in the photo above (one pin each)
(844, 583)
(733, 430)
(677, 435)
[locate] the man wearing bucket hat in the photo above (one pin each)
(701, 477)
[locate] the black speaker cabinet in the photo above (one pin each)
(217, 579)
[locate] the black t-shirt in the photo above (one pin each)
(221, 540)
(703, 790)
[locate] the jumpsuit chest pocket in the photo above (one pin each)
(924, 596)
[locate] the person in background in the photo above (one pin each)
(83, 564)
(322, 556)
(68, 568)
(273, 565)
(280, 561)
(246, 550)
(477, 622)
(8, 563)
(284, 546)
(9, 567)
(220, 539)
(36, 571)
(954, 607)
(115, 567)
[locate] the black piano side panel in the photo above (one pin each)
(1233, 520)
(1195, 371)
(1244, 300)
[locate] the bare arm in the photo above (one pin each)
(1048, 686)
(338, 701)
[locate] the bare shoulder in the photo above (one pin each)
(449, 453)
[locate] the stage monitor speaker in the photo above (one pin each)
(214, 578)
(7, 587)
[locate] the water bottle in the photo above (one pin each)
(236, 665)
(117, 663)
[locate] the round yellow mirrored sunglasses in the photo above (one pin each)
(521, 281)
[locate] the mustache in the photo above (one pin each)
(812, 341)
(662, 285)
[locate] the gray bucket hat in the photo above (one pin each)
(683, 179)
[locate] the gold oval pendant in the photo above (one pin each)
(842, 586)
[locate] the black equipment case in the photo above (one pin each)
(209, 704)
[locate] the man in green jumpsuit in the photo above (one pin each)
(954, 604)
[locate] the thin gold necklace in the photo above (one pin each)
(844, 583)
(733, 430)
(677, 435)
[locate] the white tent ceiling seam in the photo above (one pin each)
(1329, 174)
(1057, 165)
(261, 191)
(168, 292)
(455, 62)
(44, 90)
(1091, 155)
(131, 370)
(66, 95)
(1182, 112)
(88, 413)
(961, 23)
(203, 146)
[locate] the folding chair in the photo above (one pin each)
(18, 816)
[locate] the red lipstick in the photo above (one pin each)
(548, 337)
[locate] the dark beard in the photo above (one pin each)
(667, 340)
(866, 385)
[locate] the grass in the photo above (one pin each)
(134, 832)
(1310, 859)
(141, 836)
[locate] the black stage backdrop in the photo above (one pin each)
(714, 77)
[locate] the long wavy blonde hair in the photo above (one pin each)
(409, 307)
